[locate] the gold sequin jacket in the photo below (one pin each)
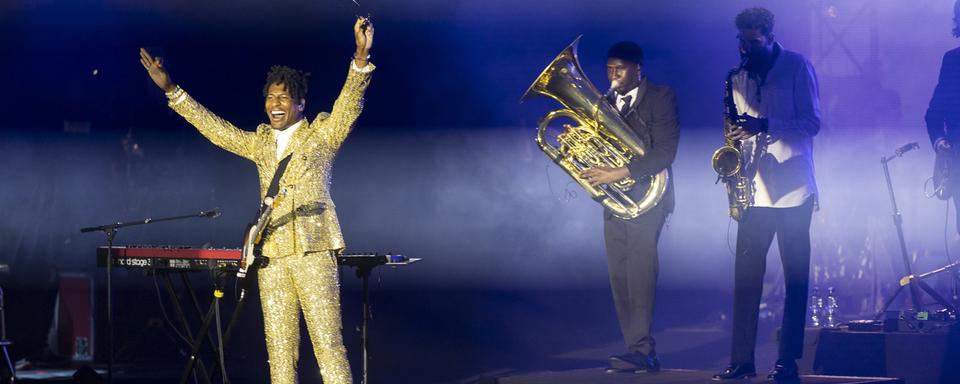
(305, 219)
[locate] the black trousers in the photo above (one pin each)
(633, 265)
(754, 235)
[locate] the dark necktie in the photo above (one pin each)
(626, 105)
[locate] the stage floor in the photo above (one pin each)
(672, 376)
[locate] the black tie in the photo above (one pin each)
(626, 105)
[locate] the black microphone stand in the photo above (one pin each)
(111, 230)
(909, 281)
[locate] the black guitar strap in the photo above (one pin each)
(274, 187)
(272, 191)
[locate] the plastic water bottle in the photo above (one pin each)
(816, 308)
(831, 309)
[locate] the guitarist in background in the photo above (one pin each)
(304, 235)
(943, 121)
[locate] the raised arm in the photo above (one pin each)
(363, 34)
(349, 104)
(220, 132)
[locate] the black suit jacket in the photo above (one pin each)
(653, 117)
(943, 114)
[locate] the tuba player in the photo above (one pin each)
(631, 245)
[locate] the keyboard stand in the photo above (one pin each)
(203, 334)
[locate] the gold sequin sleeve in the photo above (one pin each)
(219, 131)
(346, 108)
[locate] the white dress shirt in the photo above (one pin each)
(621, 98)
(283, 137)
(789, 100)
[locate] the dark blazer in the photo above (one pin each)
(654, 119)
(943, 114)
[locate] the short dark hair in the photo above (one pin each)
(293, 80)
(756, 18)
(626, 50)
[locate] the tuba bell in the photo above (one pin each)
(600, 138)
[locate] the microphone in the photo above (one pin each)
(906, 148)
(211, 214)
(611, 92)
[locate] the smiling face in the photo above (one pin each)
(282, 110)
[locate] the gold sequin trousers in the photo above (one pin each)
(309, 281)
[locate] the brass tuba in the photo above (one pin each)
(601, 137)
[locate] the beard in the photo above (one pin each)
(756, 60)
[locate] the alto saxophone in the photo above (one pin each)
(729, 162)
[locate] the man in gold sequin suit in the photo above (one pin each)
(305, 234)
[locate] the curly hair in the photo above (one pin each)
(756, 18)
(294, 81)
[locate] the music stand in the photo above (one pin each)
(364, 263)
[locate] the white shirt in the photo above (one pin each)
(283, 137)
(621, 98)
(790, 102)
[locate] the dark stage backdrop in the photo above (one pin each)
(442, 163)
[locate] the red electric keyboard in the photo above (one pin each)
(187, 258)
(170, 257)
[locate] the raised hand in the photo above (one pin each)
(154, 67)
(363, 33)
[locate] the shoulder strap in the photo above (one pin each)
(275, 183)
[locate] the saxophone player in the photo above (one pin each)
(651, 112)
(305, 236)
(778, 105)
